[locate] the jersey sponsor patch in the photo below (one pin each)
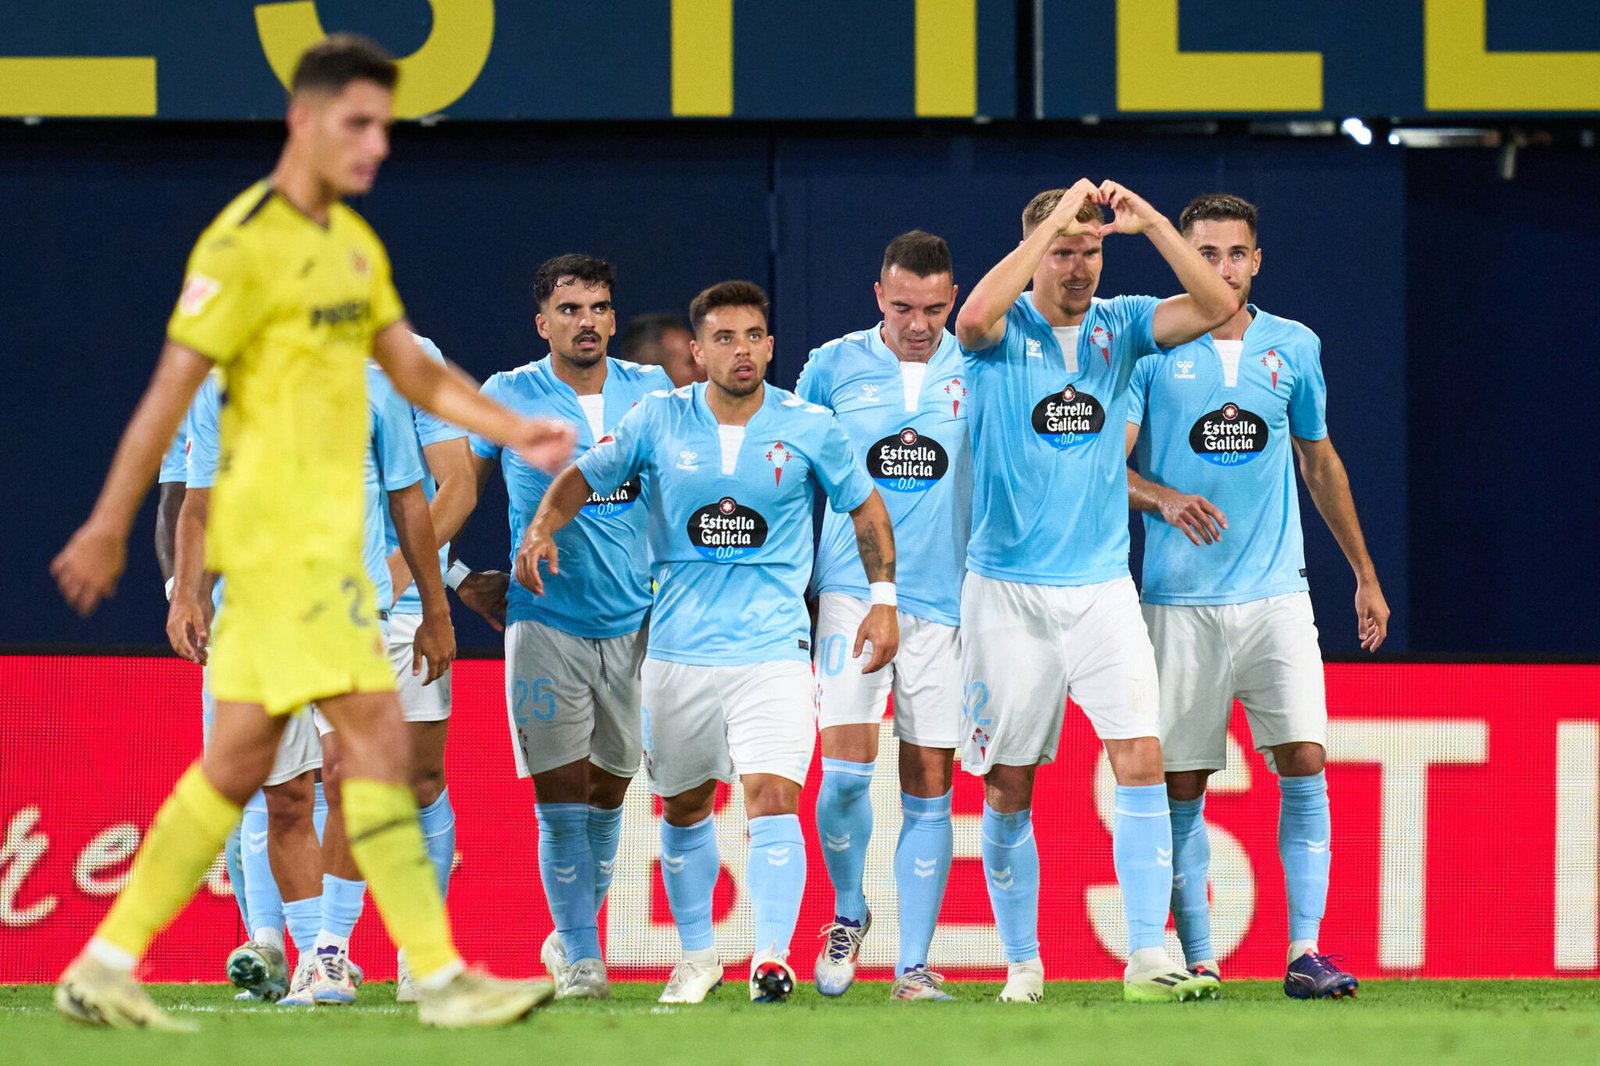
(612, 503)
(198, 290)
(1068, 419)
(907, 462)
(1229, 436)
(727, 530)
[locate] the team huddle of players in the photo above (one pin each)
(656, 606)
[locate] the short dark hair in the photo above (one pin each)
(644, 330)
(332, 63)
(1218, 207)
(574, 266)
(1041, 205)
(726, 294)
(920, 253)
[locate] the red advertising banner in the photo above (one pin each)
(1466, 821)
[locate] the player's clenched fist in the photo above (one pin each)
(545, 443)
(88, 568)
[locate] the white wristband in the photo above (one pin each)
(881, 593)
(458, 572)
(171, 581)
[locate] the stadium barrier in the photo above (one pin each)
(1466, 820)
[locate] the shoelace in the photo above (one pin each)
(333, 965)
(682, 974)
(1325, 965)
(841, 941)
(923, 976)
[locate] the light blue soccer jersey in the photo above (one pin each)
(914, 447)
(731, 550)
(430, 429)
(603, 589)
(394, 461)
(1230, 444)
(1049, 474)
(201, 446)
(175, 464)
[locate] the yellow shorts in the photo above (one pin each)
(287, 635)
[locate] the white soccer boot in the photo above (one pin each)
(334, 984)
(260, 969)
(1152, 977)
(584, 979)
(306, 972)
(92, 993)
(771, 979)
(919, 982)
(405, 987)
(476, 1001)
(553, 953)
(693, 980)
(836, 965)
(1024, 983)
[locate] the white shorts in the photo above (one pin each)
(418, 702)
(1264, 653)
(571, 698)
(717, 723)
(925, 676)
(1026, 648)
(299, 749)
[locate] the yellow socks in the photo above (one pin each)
(386, 842)
(188, 832)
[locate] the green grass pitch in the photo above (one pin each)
(1405, 1022)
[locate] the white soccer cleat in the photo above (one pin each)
(306, 972)
(836, 965)
(584, 979)
(476, 1001)
(92, 993)
(553, 954)
(692, 981)
(1024, 983)
(1158, 979)
(260, 969)
(334, 984)
(919, 982)
(405, 987)
(771, 979)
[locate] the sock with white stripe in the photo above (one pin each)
(567, 869)
(605, 831)
(262, 900)
(689, 868)
(921, 870)
(844, 822)
(776, 879)
(1191, 868)
(1011, 872)
(1141, 849)
(438, 821)
(1304, 833)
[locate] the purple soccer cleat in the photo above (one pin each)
(1317, 976)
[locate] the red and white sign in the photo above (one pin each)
(1466, 834)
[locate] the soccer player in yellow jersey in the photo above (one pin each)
(289, 292)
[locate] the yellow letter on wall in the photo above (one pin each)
(79, 86)
(702, 57)
(431, 78)
(1463, 75)
(1154, 75)
(947, 58)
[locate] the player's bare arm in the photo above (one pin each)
(483, 591)
(88, 568)
(1197, 517)
(1329, 485)
(455, 495)
(544, 442)
(981, 323)
(188, 624)
(169, 499)
(1207, 301)
(875, 541)
(561, 504)
(413, 528)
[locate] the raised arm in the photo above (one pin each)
(875, 541)
(88, 568)
(1207, 301)
(1329, 486)
(546, 443)
(561, 504)
(413, 528)
(981, 322)
(1200, 520)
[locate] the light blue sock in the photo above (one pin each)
(233, 858)
(305, 921)
(776, 879)
(1191, 866)
(1011, 870)
(921, 869)
(1304, 833)
(438, 821)
(689, 868)
(262, 901)
(1141, 850)
(605, 830)
(844, 821)
(319, 810)
(567, 869)
(341, 905)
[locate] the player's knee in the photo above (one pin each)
(1187, 785)
(1008, 789)
(427, 784)
(607, 790)
(1136, 761)
(925, 772)
(1301, 759)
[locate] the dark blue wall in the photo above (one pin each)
(1381, 252)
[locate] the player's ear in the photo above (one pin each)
(1255, 263)
(694, 350)
(542, 324)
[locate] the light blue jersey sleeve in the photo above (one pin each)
(843, 480)
(1308, 402)
(609, 463)
(394, 442)
(1139, 390)
(430, 428)
(482, 447)
(175, 463)
(205, 438)
(814, 385)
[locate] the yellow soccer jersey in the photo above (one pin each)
(287, 308)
